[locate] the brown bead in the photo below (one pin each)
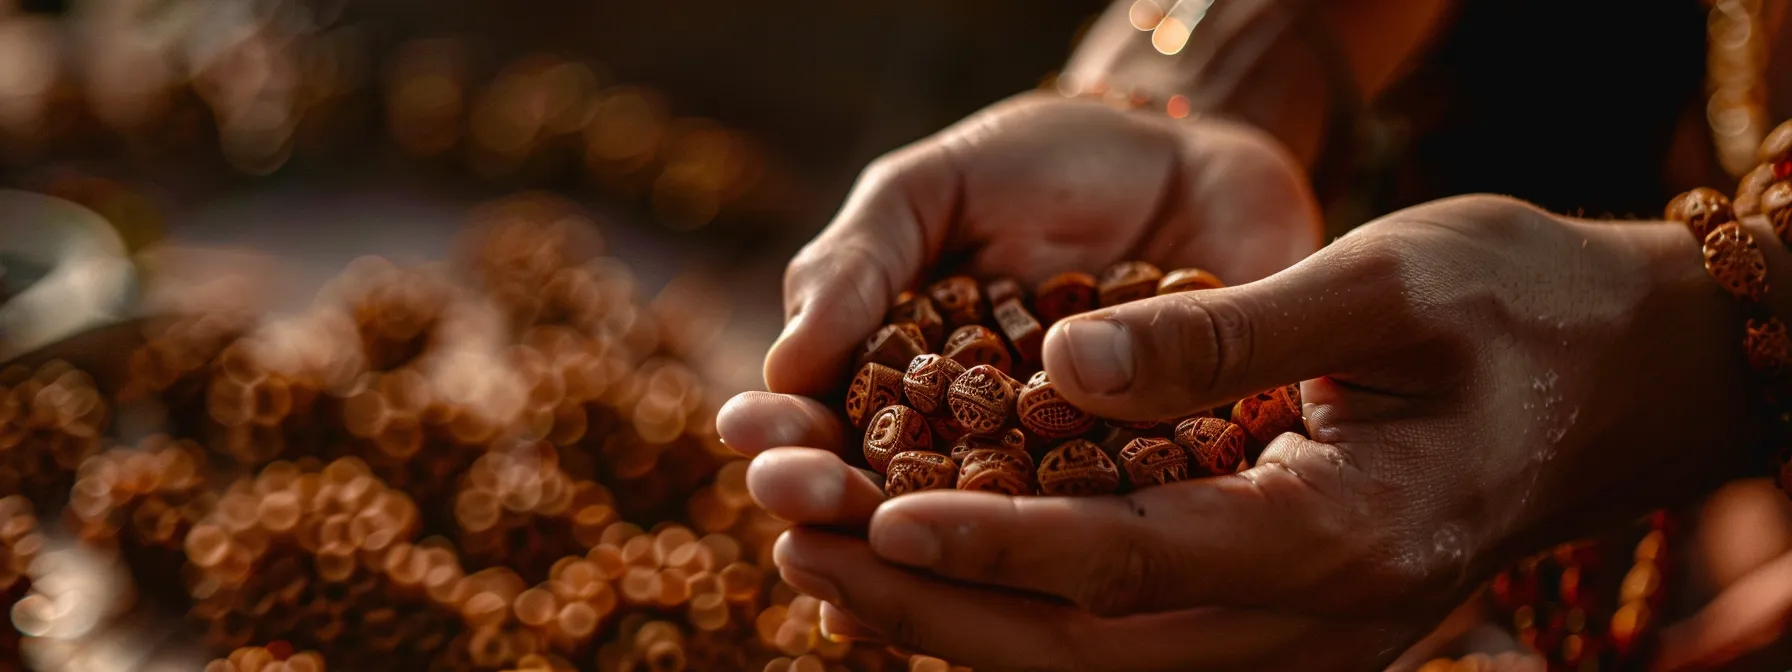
(1152, 461)
(1767, 346)
(1776, 204)
(1268, 414)
(895, 429)
(1216, 446)
(915, 470)
(918, 310)
(945, 426)
(982, 400)
(1003, 471)
(894, 346)
(1701, 210)
(1022, 330)
(874, 388)
(958, 300)
(1776, 148)
(1003, 290)
(927, 379)
(1077, 468)
(1128, 281)
(974, 345)
(964, 446)
(1749, 190)
(1732, 258)
(1187, 280)
(1045, 413)
(1064, 295)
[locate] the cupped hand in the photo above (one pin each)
(1481, 379)
(1032, 187)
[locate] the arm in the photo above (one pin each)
(1251, 59)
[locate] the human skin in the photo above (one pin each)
(1474, 369)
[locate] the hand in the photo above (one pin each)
(1029, 188)
(1482, 379)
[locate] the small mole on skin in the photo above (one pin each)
(1138, 510)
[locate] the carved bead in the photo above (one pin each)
(1003, 290)
(974, 345)
(958, 300)
(912, 308)
(1023, 332)
(1215, 445)
(1733, 259)
(1128, 281)
(894, 346)
(926, 381)
(1776, 204)
(1016, 440)
(1064, 295)
(1776, 148)
(1187, 280)
(1768, 348)
(965, 445)
(1152, 461)
(875, 387)
(1077, 468)
(982, 400)
(1749, 190)
(1701, 210)
(1267, 415)
(914, 471)
(1002, 471)
(1045, 413)
(895, 429)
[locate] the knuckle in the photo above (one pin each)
(1218, 342)
(1120, 574)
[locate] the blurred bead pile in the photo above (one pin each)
(50, 420)
(938, 393)
(275, 80)
(499, 462)
(20, 543)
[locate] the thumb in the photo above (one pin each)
(840, 286)
(1172, 355)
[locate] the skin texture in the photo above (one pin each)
(1029, 188)
(1474, 372)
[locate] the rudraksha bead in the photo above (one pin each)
(1732, 257)
(1187, 280)
(1004, 471)
(1267, 415)
(1749, 190)
(894, 346)
(1077, 468)
(915, 470)
(1701, 210)
(874, 388)
(1046, 414)
(965, 445)
(918, 310)
(1776, 150)
(1023, 331)
(974, 345)
(927, 379)
(982, 400)
(895, 429)
(1003, 290)
(1776, 205)
(958, 300)
(1064, 295)
(1128, 281)
(944, 426)
(1152, 461)
(1216, 446)
(1767, 346)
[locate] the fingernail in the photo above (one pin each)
(839, 626)
(903, 540)
(809, 583)
(1100, 355)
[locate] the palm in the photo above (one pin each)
(1048, 185)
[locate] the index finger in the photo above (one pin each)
(840, 286)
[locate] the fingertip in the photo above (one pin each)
(754, 422)
(807, 486)
(792, 365)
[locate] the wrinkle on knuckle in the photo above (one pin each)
(1217, 342)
